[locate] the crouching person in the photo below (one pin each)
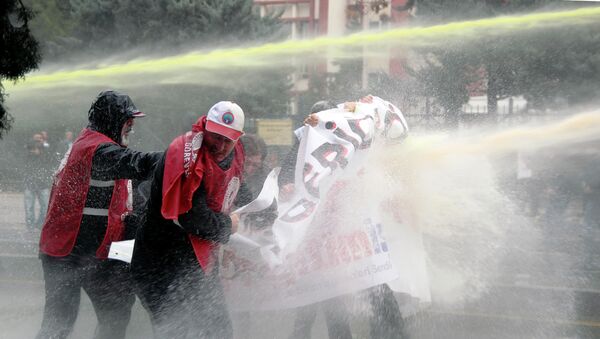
(174, 262)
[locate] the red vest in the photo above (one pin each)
(187, 166)
(68, 196)
(221, 189)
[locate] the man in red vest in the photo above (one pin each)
(193, 190)
(88, 204)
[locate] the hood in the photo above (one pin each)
(109, 112)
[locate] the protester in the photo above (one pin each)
(386, 319)
(37, 178)
(174, 260)
(66, 143)
(88, 203)
(45, 143)
(336, 315)
(255, 171)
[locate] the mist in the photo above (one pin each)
(505, 209)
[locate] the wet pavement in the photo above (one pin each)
(560, 298)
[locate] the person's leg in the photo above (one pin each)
(151, 296)
(205, 300)
(386, 320)
(305, 318)
(43, 195)
(162, 294)
(337, 318)
(110, 289)
(29, 201)
(63, 292)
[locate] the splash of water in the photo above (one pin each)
(434, 167)
(578, 128)
(195, 67)
(450, 185)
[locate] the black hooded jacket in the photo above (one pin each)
(109, 112)
(107, 115)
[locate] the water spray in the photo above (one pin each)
(194, 67)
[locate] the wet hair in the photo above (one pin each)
(254, 145)
(322, 105)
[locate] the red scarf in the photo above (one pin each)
(183, 172)
(186, 166)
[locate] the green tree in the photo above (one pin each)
(52, 26)
(68, 29)
(19, 52)
(102, 27)
(93, 29)
(541, 65)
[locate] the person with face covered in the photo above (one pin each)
(88, 203)
(174, 261)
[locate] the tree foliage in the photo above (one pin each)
(19, 49)
(545, 67)
(101, 27)
(96, 29)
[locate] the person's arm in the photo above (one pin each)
(244, 195)
(113, 161)
(203, 222)
(132, 221)
(288, 165)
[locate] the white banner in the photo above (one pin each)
(328, 239)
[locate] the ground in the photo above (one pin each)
(560, 301)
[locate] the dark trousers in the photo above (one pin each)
(386, 320)
(184, 304)
(336, 317)
(107, 284)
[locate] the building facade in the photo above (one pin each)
(306, 19)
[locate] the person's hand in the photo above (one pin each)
(312, 120)
(125, 215)
(235, 222)
(350, 106)
(286, 191)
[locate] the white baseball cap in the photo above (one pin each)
(227, 119)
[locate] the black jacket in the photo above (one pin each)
(162, 248)
(110, 162)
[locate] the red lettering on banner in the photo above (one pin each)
(356, 128)
(343, 250)
(333, 156)
(311, 184)
(330, 251)
(314, 254)
(363, 246)
(323, 152)
(325, 251)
